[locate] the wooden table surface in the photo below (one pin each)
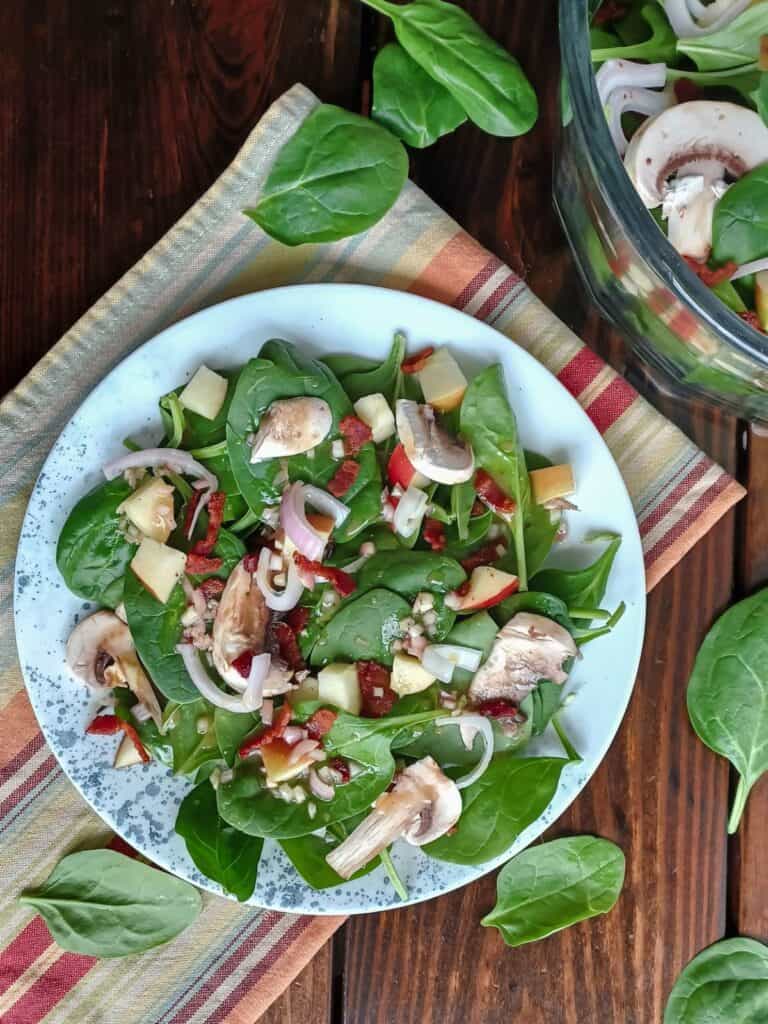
(115, 115)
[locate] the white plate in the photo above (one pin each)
(140, 804)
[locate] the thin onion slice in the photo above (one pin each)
(243, 703)
(325, 502)
(322, 790)
(293, 520)
(755, 267)
(173, 458)
(410, 511)
(267, 711)
(683, 15)
(621, 74)
(453, 655)
(483, 725)
(278, 600)
(437, 665)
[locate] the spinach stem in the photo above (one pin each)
(173, 406)
(568, 747)
(397, 882)
(245, 522)
(211, 451)
(739, 802)
(519, 533)
(180, 484)
(131, 445)
(589, 613)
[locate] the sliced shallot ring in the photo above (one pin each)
(755, 267)
(293, 520)
(278, 600)
(174, 458)
(325, 502)
(483, 725)
(241, 704)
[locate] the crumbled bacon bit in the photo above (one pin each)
(215, 510)
(251, 561)
(500, 709)
(198, 565)
(338, 764)
(609, 12)
(272, 732)
(485, 555)
(685, 90)
(416, 362)
(242, 664)
(189, 514)
(372, 676)
(434, 534)
(492, 494)
(341, 581)
(320, 723)
(750, 317)
(711, 277)
(289, 647)
(297, 618)
(343, 478)
(211, 587)
(355, 434)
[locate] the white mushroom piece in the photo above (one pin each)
(291, 426)
(422, 805)
(100, 652)
(430, 449)
(240, 625)
(684, 158)
(527, 649)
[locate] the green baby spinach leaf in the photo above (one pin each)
(364, 377)
(511, 794)
(579, 588)
(93, 553)
(362, 630)
(336, 176)
(231, 730)
(462, 500)
(554, 885)
(538, 603)
(410, 572)
(104, 904)
(223, 854)
(727, 983)
(413, 106)
(453, 50)
(191, 731)
(660, 46)
(744, 80)
(740, 223)
(728, 693)
(477, 631)
(734, 44)
(546, 701)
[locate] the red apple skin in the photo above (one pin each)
(483, 591)
(511, 588)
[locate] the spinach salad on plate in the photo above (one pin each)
(324, 600)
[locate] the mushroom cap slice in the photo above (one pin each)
(444, 807)
(430, 449)
(291, 426)
(706, 137)
(528, 649)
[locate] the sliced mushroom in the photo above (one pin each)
(689, 206)
(430, 449)
(240, 626)
(101, 652)
(422, 805)
(291, 426)
(528, 649)
(704, 137)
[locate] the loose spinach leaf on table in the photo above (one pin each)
(452, 49)
(735, 44)
(554, 885)
(362, 630)
(413, 106)
(579, 588)
(335, 177)
(740, 223)
(104, 904)
(508, 797)
(725, 984)
(93, 553)
(728, 693)
(223, 854)
(409, 572)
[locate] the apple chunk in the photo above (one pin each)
(337, 684)
(150, 509)
(487, 587)
(158, 567)
(408, 676)
(375, 413)
(551, 482)
(442, 381)
(278, 764)
(205, 393)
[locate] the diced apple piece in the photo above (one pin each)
(337, 684)
(487, 587)
(761, 297)
(442, 381)
(158, 567)
(408, 675)
(552, 482)
(308, 690)
(150, 509)
(277, 761)
(127, 755)
(375, 412)
(205, 393)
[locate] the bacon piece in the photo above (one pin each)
(416, 362)
(320, 723)
(486, 555)
(198, 565)
(478, 508)
(355, 434)
(189, 514)
(341, 581)
(272, 732)
(685, 90)
(251, 561)
(750, 317)
(372, 677)
(297, 618)
(492, 494)
(289, 647)
(242, 663)
(211, 587)
(711, 277)
(343, 478)
(609, 12)
(499, 708)
(434, 534)
(215, 510)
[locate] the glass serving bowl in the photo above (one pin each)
(634, 275)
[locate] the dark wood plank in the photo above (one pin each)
(308, 999)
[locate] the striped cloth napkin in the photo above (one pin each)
(236, 960)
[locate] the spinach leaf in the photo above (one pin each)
(223, 854)
(727, 983)
(359, 381)
(726, 292)
(760, 96)
(413, 106)
(511, 794)
(364, 511)
(462, 500)
(453, 50)
(546, 700)
(308, 853)
(198, 431)
(153, 740)
(660, 46)
(342, 364)
(362, 630)
(579, 588)
(488, 423)
(734, 44)
(537, 602)
(335, 177)
(554, 885)
(744, 80)
(105, 904)
(409, 572)
(231, 730)
(191, 747)
(728, 693)
(93, 553)
(740, 223)
(477, 631)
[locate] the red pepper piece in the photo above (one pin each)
(343, 478)
(486, 555)
(750, 317)
(416, 362)
(215, 510)
(189, 514)
(272, 732)
(211, 587)
(342, 767)
(492, 494)
(341, 581)
(297, 618)
(610, 11)
(290, 651)
(434, 534)
(242, 663)
(320, 723)
(133, 736)
(105, 725)
(198, 565)
(499, 708)
(371, 676)
(711, 277)
(355, 434)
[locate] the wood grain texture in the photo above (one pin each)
(308, 999)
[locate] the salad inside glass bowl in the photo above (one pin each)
(323, 599)
(684, 85)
